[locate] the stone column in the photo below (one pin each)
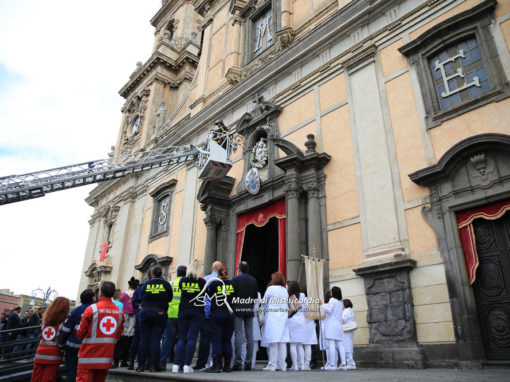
(233, 74)
(211, 224)
(314, 220)
(292, 231)
(236, 45)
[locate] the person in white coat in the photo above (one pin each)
(348, 316)
(275, 334)
(309, 334)
(332, 330)
(296, 326)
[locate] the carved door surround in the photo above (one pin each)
(473, 173)
(298, 177)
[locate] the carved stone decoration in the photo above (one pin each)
(479, 163)
(310, 144)
(285, 37)
(390, 304)
(233, 75)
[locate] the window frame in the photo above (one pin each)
(250, 14)
(474, 23)
(163, 191)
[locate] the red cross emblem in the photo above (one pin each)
(49, 333)
(108, 325)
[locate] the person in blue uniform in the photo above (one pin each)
(136, 301)
(156, 295)
(221, 294)
(191, 316)
(67, 338)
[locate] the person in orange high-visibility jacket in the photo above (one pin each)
(101, 326)
(49, 355)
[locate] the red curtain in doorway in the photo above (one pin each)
(260, 218)
(467, 235)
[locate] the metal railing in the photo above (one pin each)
(17, 349)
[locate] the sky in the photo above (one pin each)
(62, 63)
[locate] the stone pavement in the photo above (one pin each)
(360, 375)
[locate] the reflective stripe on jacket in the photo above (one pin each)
(173, 307)
(100, 327)
(48, 351)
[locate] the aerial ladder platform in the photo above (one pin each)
(211, 158)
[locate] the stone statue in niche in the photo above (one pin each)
(259, 154)
(160, 118)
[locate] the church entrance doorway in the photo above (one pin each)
(261, 242)
(260, 250)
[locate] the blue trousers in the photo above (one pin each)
(189, 326)
(71, 363)
(223, 327)
(152, 325)
(204, 347)
(169, 337)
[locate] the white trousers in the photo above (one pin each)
(333, 347)
(297, 354)
(277, 353)
(308, 355)
(348, 346)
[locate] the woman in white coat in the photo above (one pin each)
(309, 334)
(296, 326)
(332, 330)
(275, 334)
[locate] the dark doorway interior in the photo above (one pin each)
(492, 285)
(260, 250)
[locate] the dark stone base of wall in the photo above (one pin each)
(412, 356)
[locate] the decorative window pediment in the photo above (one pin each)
(458, 65)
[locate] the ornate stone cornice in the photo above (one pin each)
(203, 6)
(359, 58)
(157, 59)
(163, 12)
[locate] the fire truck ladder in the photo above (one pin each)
(212, 160)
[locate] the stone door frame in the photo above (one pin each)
(474, 172)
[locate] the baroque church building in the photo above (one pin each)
(381, 137)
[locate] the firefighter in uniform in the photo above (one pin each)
(67, 338)
(49, 355)
(220, 133)
(101, 326)
(156, 295)
(172, 326)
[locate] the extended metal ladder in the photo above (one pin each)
(16, 188)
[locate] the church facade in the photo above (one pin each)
(372, 133)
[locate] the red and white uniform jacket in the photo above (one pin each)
(100, 327)
(48, 352)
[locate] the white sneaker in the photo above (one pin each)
(269, 368)
(188, 369)
(328, 367)
(342, 368)
(307, 368)
(175, 368)
(351, 367)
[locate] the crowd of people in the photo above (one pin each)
(159, 322)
